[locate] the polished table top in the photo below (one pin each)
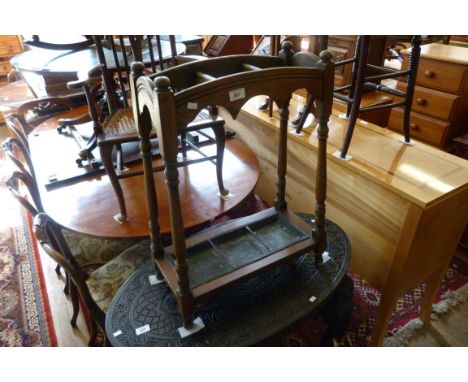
(47, 71)
(88, 206)
(420, 173)
(48, 61)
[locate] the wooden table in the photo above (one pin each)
(244, 315)
(87, 206)
(403, 207)
(47, 72)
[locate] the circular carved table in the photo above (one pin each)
(241, 316)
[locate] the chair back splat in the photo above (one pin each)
(199, 266)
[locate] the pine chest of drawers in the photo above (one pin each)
(9, 46)
(440, 103)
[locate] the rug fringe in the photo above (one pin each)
(400, 337)
(450, 299)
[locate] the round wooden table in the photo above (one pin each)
(243, 315)
(47, 71)
(88, 204)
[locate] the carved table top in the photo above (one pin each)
(241, 316)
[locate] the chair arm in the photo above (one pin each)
(18, 127)
(94, 78)
(42, 103)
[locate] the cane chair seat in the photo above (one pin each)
(120, 124)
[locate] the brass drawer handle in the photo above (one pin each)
(429, 74)
(421, 101)
(414, 127)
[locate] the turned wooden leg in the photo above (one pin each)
(358, 90)
(106, 158)
(183, 144)
(220, 136)
(75, 303)
(413, 66)
(265, 104)
(433, 286)
(185, 303)
(94, 332)
(384, 313)
(66, 288)
(302, 116)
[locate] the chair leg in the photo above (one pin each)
(66, 288)
(413, 67)
(305, 113)
(75, 303)
(359, 86)
(106, 158)
(354, 75)
(183, 144)
(220, 136)
(120, 167)
(94, 333)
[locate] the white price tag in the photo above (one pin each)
(192, 105)
(325, 257)
(117, 333)
(312, 299)
(236, 94)
(153, 280)
(142, 329)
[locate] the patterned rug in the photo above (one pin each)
(25, 316)
(404, 322)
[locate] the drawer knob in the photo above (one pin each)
(414, 127)
(421, 101)
(429, 74)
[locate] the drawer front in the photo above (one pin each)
(5, 67)
(439, 75)
(9, 45)
(422, 128)
(432, 102)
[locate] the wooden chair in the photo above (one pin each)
(271, 45)
(87, 251)
(112, 117)
(360, 81)
(205, 263)
(97, 288)
(31, 113)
